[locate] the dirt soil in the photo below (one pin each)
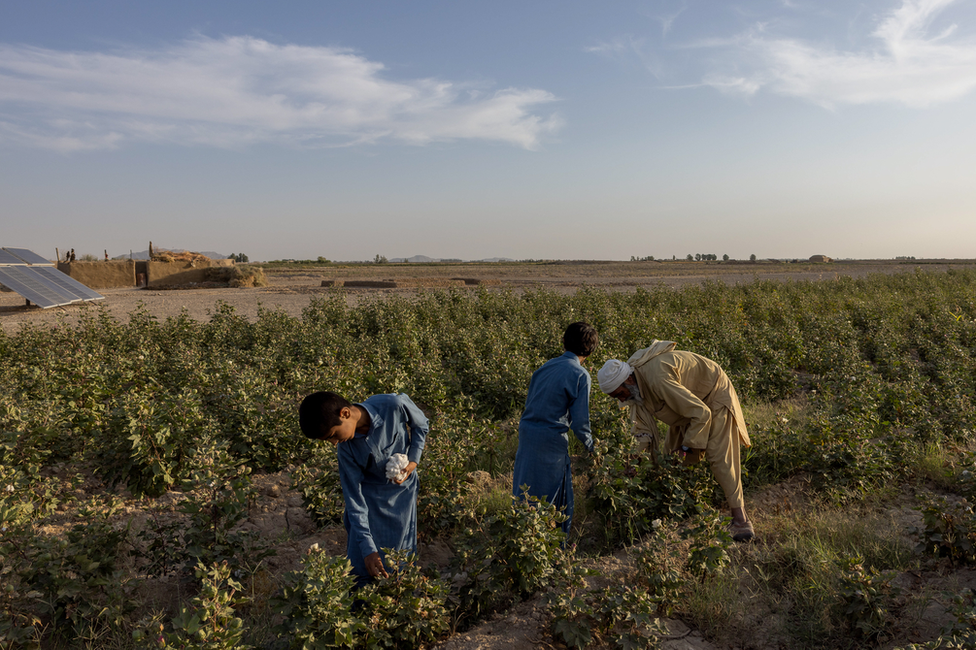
(278, 514)
(279, 508)
(291, 290)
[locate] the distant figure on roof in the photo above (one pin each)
(72, 255)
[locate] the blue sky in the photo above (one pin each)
(540, 129)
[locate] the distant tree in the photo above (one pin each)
(689, 258)
(725, 258)
(322, 260)
(380, 259)
(752, 258)
(240, 258)
(698, 257)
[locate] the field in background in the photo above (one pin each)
(292, 286)
(571, 274)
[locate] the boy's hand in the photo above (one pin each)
(411, 466)
(374, 566)
(591, 459)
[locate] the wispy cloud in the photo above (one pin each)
(236, 91)
(621, 46)
(629, 49)
(667, 20)
(902, 62)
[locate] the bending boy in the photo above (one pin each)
(558, 400)
(380, 512)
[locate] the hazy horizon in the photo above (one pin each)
(425, 259)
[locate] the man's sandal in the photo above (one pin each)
(742, 533)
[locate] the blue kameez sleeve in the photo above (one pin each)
(579, 411)
(419, 426)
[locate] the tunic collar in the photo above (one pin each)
(375, 419)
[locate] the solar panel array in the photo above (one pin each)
(36, 279)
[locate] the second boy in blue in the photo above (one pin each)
(558, 400)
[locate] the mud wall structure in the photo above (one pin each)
(101, 275)
(131, 273)
(169, 273)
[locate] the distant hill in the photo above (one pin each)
(418, 259)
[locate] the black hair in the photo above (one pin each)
(581, 339)
(319, 412)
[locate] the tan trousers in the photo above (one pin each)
(722, 454)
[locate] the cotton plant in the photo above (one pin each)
(396, 467)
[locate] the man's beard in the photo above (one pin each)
(634, 397)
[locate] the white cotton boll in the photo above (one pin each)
(395, 467)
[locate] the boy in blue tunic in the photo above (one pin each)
(558, 400)
(380, 512)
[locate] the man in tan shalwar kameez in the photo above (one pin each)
(694, 397)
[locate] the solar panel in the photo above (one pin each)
(28, 256)
(67, 284)
(8, 259)
(24, 281)
(36, 279)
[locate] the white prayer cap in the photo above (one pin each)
(612, 374)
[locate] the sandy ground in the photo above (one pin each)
(292, 290)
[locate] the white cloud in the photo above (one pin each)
(236, 91)
(904, 64)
